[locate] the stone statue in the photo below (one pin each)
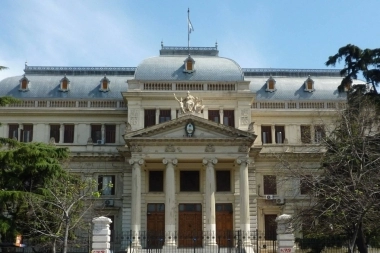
(190, 103)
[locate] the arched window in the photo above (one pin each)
(24, 84)
(189, 65)
(64, 84)
(271, 84)
(309, 85)
(104, 84)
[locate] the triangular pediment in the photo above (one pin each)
(176, 130)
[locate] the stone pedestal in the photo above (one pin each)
(285, 236)
(101, 235)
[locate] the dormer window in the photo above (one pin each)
(24, 84)
(309, 85)
(104, 84)
(271, 85)
(64, 84)
(189, 65)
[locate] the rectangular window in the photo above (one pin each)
(27, 133)
(149, 117)
(229, 118)
(189, 181)
(270, 185)
(110, 133)
(165, 115)
(223, 181)
(55, 132)
(68, 134)
(280, 134)
(319, 132)
(305, 134)
(305, 184)
(106, 184)
(156, 181)
(266, 134)
(96, 133)
(13, 131)
(214, 115)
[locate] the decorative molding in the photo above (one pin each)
(246, 161)
(210, 161)
(244, 116)
(128, 128)
(250, 127)
(135, 148)
(170, 148)
(134, 116)
(168, 161)
(89, 141)
(243, 148)
(136, 161)
(210, 148)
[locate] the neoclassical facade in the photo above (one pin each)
(190, 140)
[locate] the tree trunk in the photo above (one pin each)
(66, 235)
(53, 247)
(360, 241)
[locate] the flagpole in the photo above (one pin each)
(188, 30)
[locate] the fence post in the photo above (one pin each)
(101, 235)
(285, 236)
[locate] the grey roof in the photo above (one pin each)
(47, 86)
(293, 88)
(207, 68)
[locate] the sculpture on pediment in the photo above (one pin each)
(190, 103)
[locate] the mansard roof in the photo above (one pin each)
(169, 66)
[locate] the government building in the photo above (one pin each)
(191, 141)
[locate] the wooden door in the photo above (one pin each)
(155, 226)
(270, 226)
(224, 225)
(190, 225)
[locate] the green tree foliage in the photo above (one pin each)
(24, 168)
(2, 67)
(357, 61)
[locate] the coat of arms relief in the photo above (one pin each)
(190, 104)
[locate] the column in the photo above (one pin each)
(20, 132)
(61, 133)
(170, 202)
(221, 115)
(245, 225)
(103, 133)
(157, 116)
(210, 201)
(273, 134)
(136, 200)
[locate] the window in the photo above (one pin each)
(55, 132)
(26, 133)
(110, 133)
(319, 132)
(214, 115)
(68, 134)
(149, 117)
(106, 184)
(13, 131)
(24, 84)
(64, 84)
(229, 118)
(309, 85)
(280, 134)
(165, 115)
(189, 181)
(266, 134)
(271, 85)
(223, 181)
(270, 185)
(306, 184)
(104, 84)
(156, 181)
(306, 134)
(189, 65)
(96, 133)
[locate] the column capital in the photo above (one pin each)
(206, 161)
(136, 161)
(166, 161)
(243, 160)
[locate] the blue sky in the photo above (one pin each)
(255, 33)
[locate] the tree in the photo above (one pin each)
(58, 208)
(357, 61)
(345, 189)
(2, 67)
(24, 168)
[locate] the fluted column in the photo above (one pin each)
(244, 200)
(170, 202)
(210, 201)
(136, 200)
